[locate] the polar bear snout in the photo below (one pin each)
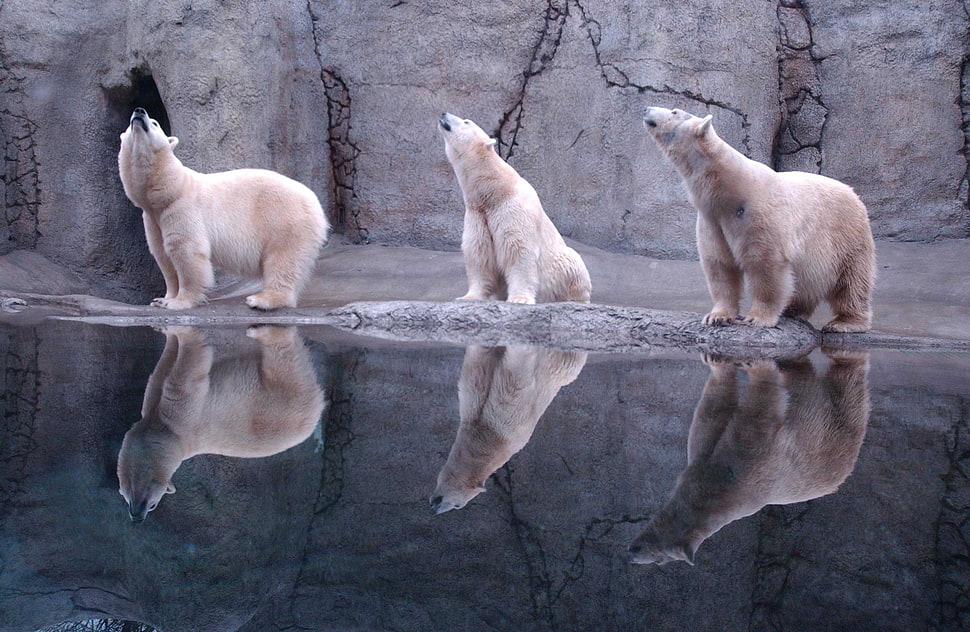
(449, 122)
(138, 512)
(141, 116)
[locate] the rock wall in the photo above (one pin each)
(344, 97)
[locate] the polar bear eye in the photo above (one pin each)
(466, 121)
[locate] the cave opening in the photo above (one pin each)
(126, 266)
(141, 92)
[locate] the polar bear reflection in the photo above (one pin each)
(794, 437)
(502, 392)
(251, 405)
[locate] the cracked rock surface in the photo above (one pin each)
(344, 98)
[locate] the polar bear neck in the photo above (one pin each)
(483, 177)
(153, 180)
(478, 451)
(151, 442)
(718, 177)
(166, 181)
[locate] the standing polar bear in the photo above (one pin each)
(246, 402)
(788, 436)
(797, 238)
(250, 222)
(512, 249)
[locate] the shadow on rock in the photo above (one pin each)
(793, 436)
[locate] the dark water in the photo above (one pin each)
(829, 493)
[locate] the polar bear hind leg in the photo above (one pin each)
(850, 300)
(285, 272)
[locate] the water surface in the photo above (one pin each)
(346, 488)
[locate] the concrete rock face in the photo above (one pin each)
(344, 97)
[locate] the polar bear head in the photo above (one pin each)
(684, 138)
(654, 546)
(451, 493)
(463, 138)
(144, 134)
(148, 458)
(145, 150)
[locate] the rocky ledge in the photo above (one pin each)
(564, 326)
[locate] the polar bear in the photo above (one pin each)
(250, 222)
(797, 238)
(254, 404)
(502, 393)
(512, 249)
(794, 436)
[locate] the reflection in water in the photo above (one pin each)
(793, 437)
(502, 392)
(255, 404)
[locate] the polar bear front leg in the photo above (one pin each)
(523, 280)
(153, 234)
(723, 275)
(480, 265)
(520, 262)
(191, 258)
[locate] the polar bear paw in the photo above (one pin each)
(758, 321)
(523, 299)
(844, 326)
(718, 319)
(267, 300)
(269, 334)
(174, 303)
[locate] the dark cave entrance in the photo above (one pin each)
(142, 92)
(127, 269)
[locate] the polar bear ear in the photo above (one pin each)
(705, 125)
(170, 489)
(493, 143)
(173, 141)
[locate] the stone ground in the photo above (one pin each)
(922, 289)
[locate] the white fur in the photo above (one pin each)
(502, 392)
(512, 249)
(796, 238)
(252, 405)
(792, 437)
(251, 222)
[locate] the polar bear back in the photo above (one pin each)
(248, 212)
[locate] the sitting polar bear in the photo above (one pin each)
(512, 249)
(250, 222)
(502, 393)
(797, 238)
